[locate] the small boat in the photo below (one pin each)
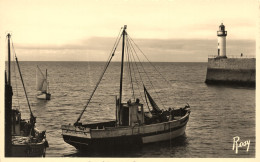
(133, 125)
(42, 85)
(22, 138)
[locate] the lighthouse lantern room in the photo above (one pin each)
(222, 41)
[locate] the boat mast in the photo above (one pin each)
(122, 67)
(8, 105)
(9, 60)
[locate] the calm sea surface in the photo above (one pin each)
(219, 113)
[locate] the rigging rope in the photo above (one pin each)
(129, 67)
(115, 44)
(25, 90)
(131, 54)
(151, 62)
(153, 65)
(104, 70)
(146, 74)
(15, 78)
(131, 62)
(32, 117)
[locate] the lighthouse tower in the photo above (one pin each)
(222, 41)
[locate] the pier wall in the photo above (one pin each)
(231, 70)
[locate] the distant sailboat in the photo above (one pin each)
(42, 86)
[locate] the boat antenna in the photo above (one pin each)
(122, 66)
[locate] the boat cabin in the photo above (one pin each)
(19, 126)
(131, 114)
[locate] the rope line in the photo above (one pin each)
(15, 77)
(138, 73)
(129, 67)
(104, 70)
(22, 82)
(151, 63)
(24, 87)
(147, 75)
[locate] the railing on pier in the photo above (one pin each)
(234, 56)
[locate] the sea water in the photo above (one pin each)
(222, 117)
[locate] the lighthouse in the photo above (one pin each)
(222, 41)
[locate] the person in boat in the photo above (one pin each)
(40, 136)
(129, 101)
(172, 113)
(164, 116)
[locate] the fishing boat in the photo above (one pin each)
(42, 85)
(22, 138)
(133, 125)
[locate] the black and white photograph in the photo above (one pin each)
(133, 80)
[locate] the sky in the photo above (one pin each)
(54, 30)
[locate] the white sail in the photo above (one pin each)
(44, 86)
(41, 82)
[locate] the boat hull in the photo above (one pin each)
(126, 137)
(29, 150)
(81, 143)
(167, 135)
(44, 96)
(103, 143)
